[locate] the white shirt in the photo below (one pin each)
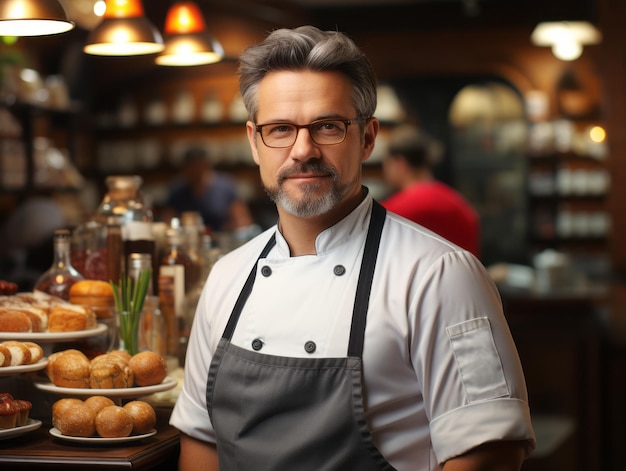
(440, 368)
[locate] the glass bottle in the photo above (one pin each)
(58, 279)
(152, 324)
(174, 269)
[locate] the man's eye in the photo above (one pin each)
(280, 129)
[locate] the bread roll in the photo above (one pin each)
(73, 417)
(110, 371)
(36, 352)
(69, 369)
(143, 415)
(38, 317)
(20, 353)
(97, 403)
(149, 368)
(14, 321)
(113, 422)
(71, 318)
(5, 356)
(96, 294)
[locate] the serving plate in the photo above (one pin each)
(31, 425)
(11, 370)
(136, 391)
(53, 336)
(100, 440)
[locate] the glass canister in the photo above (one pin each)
(123, 204)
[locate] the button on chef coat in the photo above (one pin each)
(441, 371)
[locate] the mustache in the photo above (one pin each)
(306, 167)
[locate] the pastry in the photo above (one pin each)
(149, 368)
(143, 415)
(69, 369)
(73, 417)
(70, 318)
(113, 422)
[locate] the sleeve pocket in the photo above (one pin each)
(477, 359)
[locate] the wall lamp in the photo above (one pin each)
(187, 41)
(124, 31)
(33, 18)
(566, 38)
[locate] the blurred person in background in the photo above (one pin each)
(407, 168)
(211, 193)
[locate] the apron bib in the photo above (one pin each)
(281, 413)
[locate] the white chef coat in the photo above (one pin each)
(440, 368)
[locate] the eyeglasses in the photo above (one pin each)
(324, 132)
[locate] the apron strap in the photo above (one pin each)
(366, 275)
(245, 292)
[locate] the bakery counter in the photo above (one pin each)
(38, 449)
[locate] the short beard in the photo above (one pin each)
(309, 205)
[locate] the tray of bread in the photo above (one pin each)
(113, 374)
(38, 316)
(20, 357)
(99, 420)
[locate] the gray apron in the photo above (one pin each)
(281, 413)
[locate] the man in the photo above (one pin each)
(345, 337)
(422, 199)
(212, 194)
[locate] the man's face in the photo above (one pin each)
(308, 179)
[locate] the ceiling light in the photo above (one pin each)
(566, 38)
(33, 18)
(124, 31)
(187, 41)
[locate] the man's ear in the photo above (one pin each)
(369, 137)
(252, 140)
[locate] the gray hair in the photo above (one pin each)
(308, 48)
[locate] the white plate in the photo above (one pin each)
(31, 425)
(11, 370)
(100, 440)
(166, 384)
(53, 336)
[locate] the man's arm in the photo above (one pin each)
(196, 455)
(495, 456)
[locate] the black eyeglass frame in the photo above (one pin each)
(346, 122)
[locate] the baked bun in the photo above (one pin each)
(69, 317)
(14, 321)
(20, 353)
(68, 369)
(113, 422)
(110, 371)
(97, 403)
(73, 417)
(96, 294)
(143, 415)
(149, 368)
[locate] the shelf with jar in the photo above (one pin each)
(568, 184)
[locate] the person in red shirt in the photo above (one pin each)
(407, 167)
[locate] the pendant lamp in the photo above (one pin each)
(33, 18)
(124, 31)
(566, 38)
(187, 41)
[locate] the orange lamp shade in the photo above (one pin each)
(184, 18)
(123, 8)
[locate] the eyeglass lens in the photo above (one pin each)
(322, 132)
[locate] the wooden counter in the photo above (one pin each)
(39, 450)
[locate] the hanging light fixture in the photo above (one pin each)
(33, 18)
(566, 38)
(124, 31)
(187, 41)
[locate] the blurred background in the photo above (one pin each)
(532, 129)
